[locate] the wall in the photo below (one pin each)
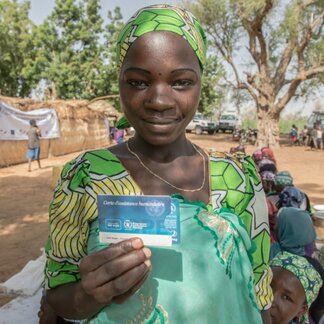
(82, 127)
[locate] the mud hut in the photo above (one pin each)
(83, 125)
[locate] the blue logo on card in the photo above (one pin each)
(155, 208)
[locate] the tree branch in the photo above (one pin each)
(225, 52)
(304, 75)
(282, 102)
(283, 64)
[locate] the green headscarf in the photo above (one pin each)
(163, 17)
(283, 178)
(303, 270)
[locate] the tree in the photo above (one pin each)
(212, 94)
(69, 54)
(111, 69)
(15, 47)
(285, 47)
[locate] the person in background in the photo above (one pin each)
(267, 153)
(33, 151)
(291, 196)
(294, 135)
(119, 135)
(296, 285)
(267, 178)
(268, 183)
(222, 259)
(305, 136)
(267, 165)
(313, 136)
(318, 137)
(316, 310)
(295, 232)
(257, 156)
(287, 195)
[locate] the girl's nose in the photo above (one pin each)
(160, 97)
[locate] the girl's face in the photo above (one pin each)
(160, 83)
(289, 299)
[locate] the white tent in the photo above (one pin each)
(14, 123)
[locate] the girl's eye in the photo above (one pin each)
(139, 84)
(182, 84)
(286, 297)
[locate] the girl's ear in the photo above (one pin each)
(303, 310)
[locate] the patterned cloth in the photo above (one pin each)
(234, 185)
(291, 196)
(257, 155)
(163, 18)
(268, 154)
(267, 175)
(303, 270)
(284, 178)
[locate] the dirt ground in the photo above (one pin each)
(25, 197)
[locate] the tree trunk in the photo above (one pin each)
(268, 129)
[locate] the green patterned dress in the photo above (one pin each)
(192, 282)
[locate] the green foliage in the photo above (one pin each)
(68, 50)
(110, 69)
(286, 122)
(15, 47)
(212, 94)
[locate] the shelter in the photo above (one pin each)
(82, 124)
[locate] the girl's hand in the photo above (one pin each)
(116, 272)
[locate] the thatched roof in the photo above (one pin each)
(65, 108)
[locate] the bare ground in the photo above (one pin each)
(25, 197)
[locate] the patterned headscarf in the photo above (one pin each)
(284, 178)
(303, 270)
(257, 155)
(267, 175)
(268, 153)
(163, 17)
(292, 197)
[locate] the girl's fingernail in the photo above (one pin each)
(148, 263)
(137, 243)
(147, 252)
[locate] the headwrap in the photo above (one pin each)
(294, 231)
(284, 178)
(163, 17)
(267, 165)
(268, 153)
(292, 197)
(257, 155)
(267, 175)
(303, 270)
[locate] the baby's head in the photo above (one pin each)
(295, 286)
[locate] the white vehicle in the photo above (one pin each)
(199, 125)
(228, 122)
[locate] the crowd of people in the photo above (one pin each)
(220, 271)
(312, 138)
(292, 236)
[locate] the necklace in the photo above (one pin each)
(165, 181)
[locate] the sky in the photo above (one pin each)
(40, 9)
